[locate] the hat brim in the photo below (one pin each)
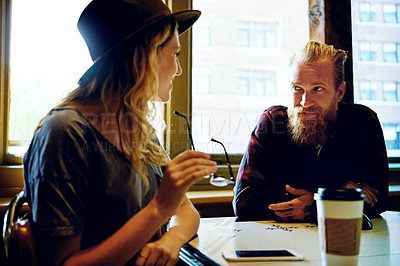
(185, 19)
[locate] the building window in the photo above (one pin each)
(391, 13)
(202, 33)
(392, 136)
(367, 12)
(201, 80)
(367, 51)
(366, 92)
(391, 52)
(256, 34)
(256, 82)
(201, 130)
(391, 91)
(249, 38)
(377, 81)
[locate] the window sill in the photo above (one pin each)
(199, 197)
(11, 183)
(11, 180)
(196, 197)
(4, 204)
(394, 190)
(210, 196)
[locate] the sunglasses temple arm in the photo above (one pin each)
(227, 159)
(190, 134)
(188, 127)
(229, 166)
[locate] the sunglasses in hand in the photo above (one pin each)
(218, 181)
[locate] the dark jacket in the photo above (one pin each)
(272, 160)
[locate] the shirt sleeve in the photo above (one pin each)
(369, 156)
(256, 185)
(56, 168)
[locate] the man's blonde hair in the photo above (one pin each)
(314, 52)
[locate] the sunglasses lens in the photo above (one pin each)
(219, 181)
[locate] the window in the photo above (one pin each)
(248, 56)
(392, 136)
(366, 91)
(202, 36)
(256, 83)
(367, 51)
(201, 128)
(201, 80)
(256, 34)
(367, 12)
(48, 56)
(390, 91)
(390, 52)
(217, 109)
(390, 13)
(378, 81)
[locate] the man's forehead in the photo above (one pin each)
(321, 67)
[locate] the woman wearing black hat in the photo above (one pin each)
(93, 172)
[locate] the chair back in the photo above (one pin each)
(17, 234)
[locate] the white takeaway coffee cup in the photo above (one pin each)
(339, 214)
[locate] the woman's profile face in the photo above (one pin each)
(168, 67)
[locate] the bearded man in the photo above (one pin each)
(316, 142)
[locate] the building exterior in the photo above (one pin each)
(376, 54)
(240, 65)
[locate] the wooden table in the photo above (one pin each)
(379, 246)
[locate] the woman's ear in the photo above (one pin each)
(341, 91)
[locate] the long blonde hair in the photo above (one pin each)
(130, 75)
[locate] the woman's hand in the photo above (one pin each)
(162, 252)
(179, 174)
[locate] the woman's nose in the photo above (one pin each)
(179, 68)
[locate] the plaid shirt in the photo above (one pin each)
(272, 160)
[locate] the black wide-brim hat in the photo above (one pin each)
(106, 24)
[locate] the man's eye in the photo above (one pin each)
(177, 54)
(318, 89)
(297, 89)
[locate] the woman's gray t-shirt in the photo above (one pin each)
(77, 182)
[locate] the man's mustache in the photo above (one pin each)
(306, 110)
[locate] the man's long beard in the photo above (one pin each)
(312, 130)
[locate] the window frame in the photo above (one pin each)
(5, 26)
(336, 22)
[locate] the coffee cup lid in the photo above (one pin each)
(343, 194)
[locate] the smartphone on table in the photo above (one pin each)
(261, 255)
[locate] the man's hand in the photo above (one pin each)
(295, 209)
(368, 191)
